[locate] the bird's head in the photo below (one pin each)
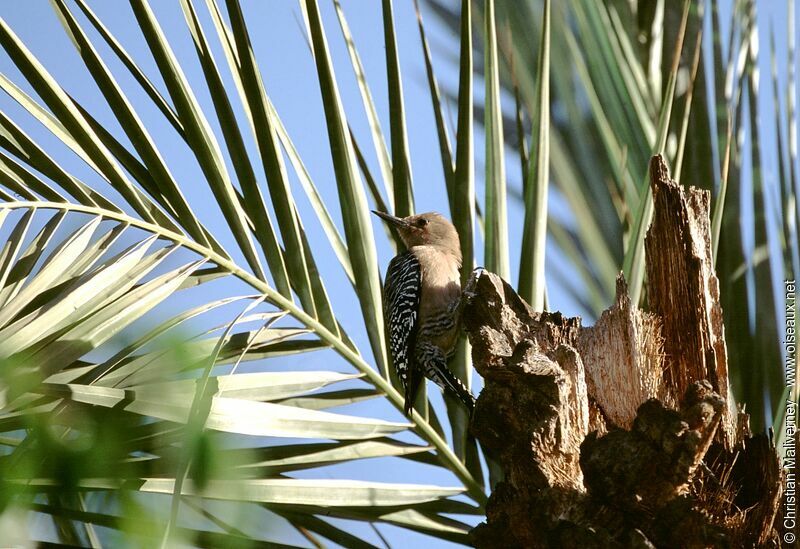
(425, 229)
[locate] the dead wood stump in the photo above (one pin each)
(623, 434)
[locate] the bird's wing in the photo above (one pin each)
(401, 306)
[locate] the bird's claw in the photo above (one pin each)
(470, 287)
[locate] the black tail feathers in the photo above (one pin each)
(457, 388)
(431, 361)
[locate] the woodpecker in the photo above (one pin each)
(422, 304)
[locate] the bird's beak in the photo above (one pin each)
(391, 220)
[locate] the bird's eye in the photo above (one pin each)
(421, 222)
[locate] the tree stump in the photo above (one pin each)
(625, 433)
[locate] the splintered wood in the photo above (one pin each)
(683, 290)
(624, 433)
(624, 351)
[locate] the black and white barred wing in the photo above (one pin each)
(401, 306)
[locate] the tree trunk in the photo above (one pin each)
(623, 434)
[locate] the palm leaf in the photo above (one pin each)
(199, 135)
(358, 228)
(401, 163)
(531, 271)
(496, 242)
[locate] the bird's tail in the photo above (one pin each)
(457, 388)
(411, 389)
(434, 365)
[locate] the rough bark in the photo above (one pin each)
(683, 290)
(623, 434)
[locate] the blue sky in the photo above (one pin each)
(289, 77)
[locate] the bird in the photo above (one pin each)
(422, 304)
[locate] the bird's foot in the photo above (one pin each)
(472, 283)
